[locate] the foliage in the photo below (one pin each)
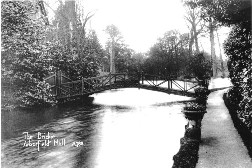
(75, 52)
(187, 156)
(236, 13)
(31, 50)
(23, 52)
(201, 91)
(238, 49)
(201, 95)
(228, 12)
(78, 63)
(31, 92)
(200, 67)
(169, 55)
(121, 53)
(194, 106)
(136, 63)
(123, 59)
(114, 33)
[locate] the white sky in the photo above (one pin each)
(140, 22)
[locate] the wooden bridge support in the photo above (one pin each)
(58, 82)
(169, 84)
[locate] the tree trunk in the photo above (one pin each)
(112, 58)
(195, 37)
(213, 56)
(222, 66)
(191, 43)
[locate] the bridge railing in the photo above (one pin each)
(169, 82)
(89, 85)
(66, 88)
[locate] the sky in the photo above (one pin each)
(141, 22)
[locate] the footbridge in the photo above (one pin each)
(63, 88)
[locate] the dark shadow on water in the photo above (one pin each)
(209, 141)
(17, 121)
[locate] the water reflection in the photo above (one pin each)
(122, 128)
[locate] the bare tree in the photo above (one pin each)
(196, 23)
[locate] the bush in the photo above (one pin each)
(23, 51)
(30, 92)
(238, 49)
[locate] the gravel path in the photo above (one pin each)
(221, 145)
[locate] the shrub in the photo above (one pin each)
(30, 92)
(238, 49)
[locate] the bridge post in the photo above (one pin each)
(142, 78)
(58, 82)
(185, 85)
(169, 87)
(124, 79)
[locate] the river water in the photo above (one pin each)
(123, 128)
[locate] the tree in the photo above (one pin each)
(197, 25)
(136, 64)
(198, 15)
(115, 37)
(236, 13)
(169, 55)
(78, 53)
(23, 53)
(118, 52)
(200, 66)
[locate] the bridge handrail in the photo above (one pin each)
(108, 81)
(76, 81)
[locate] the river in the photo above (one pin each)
(123, 128)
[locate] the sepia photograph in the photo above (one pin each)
(126, 84)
